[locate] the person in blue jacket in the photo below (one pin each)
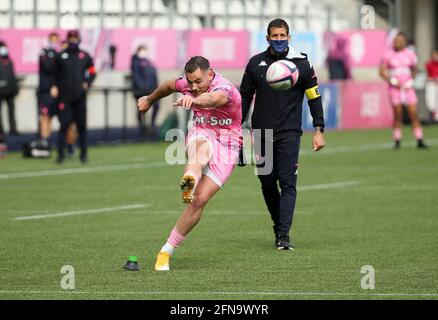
(144, 82)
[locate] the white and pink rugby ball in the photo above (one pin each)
(282, 75)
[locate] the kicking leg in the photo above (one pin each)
(205, 190)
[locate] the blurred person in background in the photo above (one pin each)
(75, 72)
(64, 45)
(112, 52)
(8, 88)
(432, 85)
(338, 60)
(144, 82)
(398, 68)
(412, 45)
(48, 105)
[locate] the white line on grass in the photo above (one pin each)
(60, 172)
(244, 211)
(78, 212)
(363, 147)
(139, 206)
(329, 185)
(131, 166)
(213, 293)
(221, 212)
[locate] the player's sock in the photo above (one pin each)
(168, 248)
(396, 134)
(174, 241)
(163, 258)
(418, 132)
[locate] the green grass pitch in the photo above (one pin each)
(359, 203)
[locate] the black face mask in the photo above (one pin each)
(72, 45)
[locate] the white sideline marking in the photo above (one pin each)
(59, 172)
(138, 206)
(329, 185)
(365, 147)
(222, 212)
(78, 212)
(206, 293)
(119, 167)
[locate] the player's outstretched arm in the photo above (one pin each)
(205, 100)
(165, 89)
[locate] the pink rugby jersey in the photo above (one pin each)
(399, 64)
(225, 123)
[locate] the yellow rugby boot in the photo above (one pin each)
(162, 263)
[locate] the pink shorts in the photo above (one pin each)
(402, 97)
(223, 156)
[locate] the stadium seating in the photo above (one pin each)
(181, 14)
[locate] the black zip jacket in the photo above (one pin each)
(8, 79)
(280, 110)
(73, 68)
(47, 70)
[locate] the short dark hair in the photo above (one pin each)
(73, 34)
(141, 47)
(402, 34)
(278, 23)
(197, 62)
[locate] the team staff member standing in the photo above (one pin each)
(75, 73)
(281, 112)
(48, 105)
(8, 88)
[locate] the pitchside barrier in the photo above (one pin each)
(111, 113)
(357, 105)
(347, 105)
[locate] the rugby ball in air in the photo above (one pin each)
(282, 75)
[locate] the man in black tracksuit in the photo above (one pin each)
(8, 88)
(75, 73)
(281, 112)
(47, 105)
